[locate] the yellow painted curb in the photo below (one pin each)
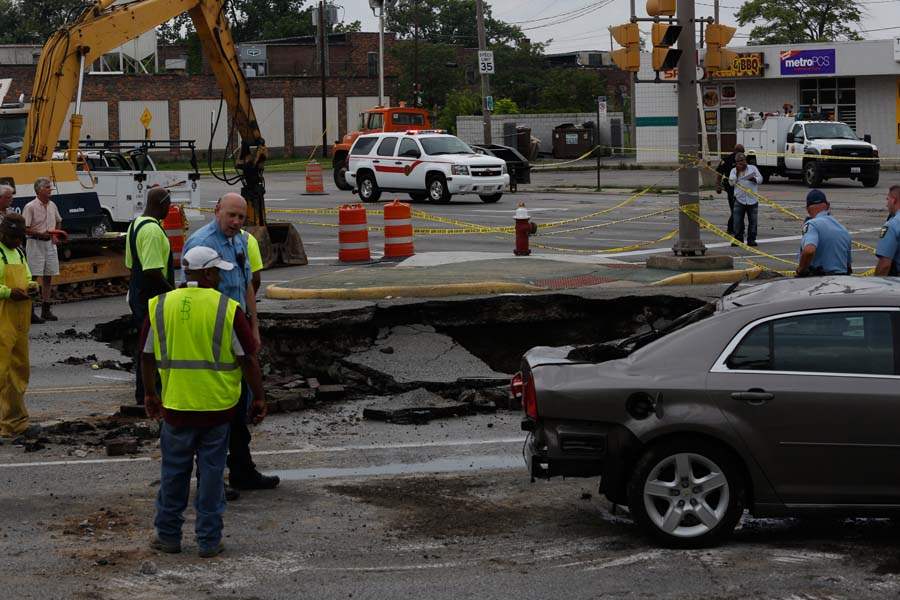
(407, 291)
(710, 277)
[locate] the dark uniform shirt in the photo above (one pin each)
(889, 242)
(832, 242)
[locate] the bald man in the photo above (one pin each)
(223, 234)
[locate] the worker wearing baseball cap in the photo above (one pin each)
(15, 321)
(825, 247)
(201, 343)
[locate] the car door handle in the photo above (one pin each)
(398, 162)
(376, 161)
(754, 396)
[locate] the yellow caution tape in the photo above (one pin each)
(637, 246)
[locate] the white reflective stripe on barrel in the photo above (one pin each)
(397, 240)
(357, 246)
(396, 222)
(360, 227)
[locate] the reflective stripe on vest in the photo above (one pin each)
(197, 375)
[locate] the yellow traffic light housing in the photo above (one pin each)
(718, 58)
(628, 58)
(665, 58)
(661, 8)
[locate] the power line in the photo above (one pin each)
(584, 12)
(555, 16)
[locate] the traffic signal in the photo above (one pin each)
(628, 58)
(718, 58)
(661, 8)
(664, 36)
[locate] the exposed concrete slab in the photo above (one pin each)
(417, 353)
(710, 262)
(416, 406)
(432, 259)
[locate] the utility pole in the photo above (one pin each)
(381, 55)
(689, 243)
(416, 101)
(322, 41)
(485, 81)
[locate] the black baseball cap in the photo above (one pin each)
(816, 197)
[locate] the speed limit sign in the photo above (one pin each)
(486, 62)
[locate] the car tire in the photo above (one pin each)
(490, 198)
(811, 175)
(437, 189)
(104, 226)
(418, 197)
(710, 505)
(340, 170)
(368, 187)
(870, 181)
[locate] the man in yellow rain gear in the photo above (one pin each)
(15, 321)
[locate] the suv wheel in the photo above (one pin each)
(437, 189)
(870, 181)
(811, 176)
(687, 493)
(490, 198)
(368, 187)
(340, 169)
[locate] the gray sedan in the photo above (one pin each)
(781, 398)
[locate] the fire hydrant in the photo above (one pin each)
(524, 228)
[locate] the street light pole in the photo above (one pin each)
(416, 101)
(381, 55)
(322, 54)
(485, 82)
(689, 243)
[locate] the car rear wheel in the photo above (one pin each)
(437, 189)
(687, 493)
(490, 198)
(368, 187)
(340, 170)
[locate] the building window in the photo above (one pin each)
(835, 98)
(372, 64)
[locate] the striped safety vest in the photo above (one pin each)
(192, 344)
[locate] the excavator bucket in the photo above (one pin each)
(279, 244)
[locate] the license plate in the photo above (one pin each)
(854, 170)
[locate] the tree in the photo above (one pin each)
(571, 90)
(798, 21)
(459, 102)
(505, 106)
(32, 21)
(436, 78)
(448, 22)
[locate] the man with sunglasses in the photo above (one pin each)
(149, 256)
(223, 234)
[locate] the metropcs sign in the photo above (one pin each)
(807, 62)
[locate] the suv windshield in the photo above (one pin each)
(445, 145)
(834, 131)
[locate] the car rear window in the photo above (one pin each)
(363, 145)
(835, 342)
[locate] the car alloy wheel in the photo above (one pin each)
(686, 495)
(436, 190)
(368, 188)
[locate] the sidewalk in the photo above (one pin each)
(444, 274)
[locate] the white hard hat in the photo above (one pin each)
(522, 213)
(204, 257)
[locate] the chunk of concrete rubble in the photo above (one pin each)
(415, 407)
(485, 401)
(121, 446)
(420, 354)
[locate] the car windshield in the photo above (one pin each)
(445, 145)
(831, 131)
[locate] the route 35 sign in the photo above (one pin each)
(486, 62)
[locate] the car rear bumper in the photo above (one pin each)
(575, 449)
(466, 184)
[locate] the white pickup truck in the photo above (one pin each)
(813, 151)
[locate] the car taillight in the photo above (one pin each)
(529, 395)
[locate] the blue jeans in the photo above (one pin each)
(179, 446)
(737, 216)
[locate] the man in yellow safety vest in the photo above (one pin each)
(201, 343)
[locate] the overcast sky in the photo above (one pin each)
(589, 31)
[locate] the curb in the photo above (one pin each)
(409, 291)
(710, 277)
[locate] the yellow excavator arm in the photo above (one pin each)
(106, 25)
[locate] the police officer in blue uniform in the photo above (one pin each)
(888, 248)
(825, 248)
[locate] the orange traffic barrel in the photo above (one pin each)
(314, 183)
(176, 225)
(398, 230)
(353, 233)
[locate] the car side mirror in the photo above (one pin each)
(867, 138)
(790, 138)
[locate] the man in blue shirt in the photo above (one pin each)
(223, 234)
(825, 247)
(888, 248)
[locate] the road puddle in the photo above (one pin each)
(453, 464)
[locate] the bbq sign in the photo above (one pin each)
(807, 62)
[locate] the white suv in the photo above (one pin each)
(425, 164)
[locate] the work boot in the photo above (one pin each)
(210, 552)
(163, 546)
(36, 320)
(231, 494)
(46, 314)
(253, 480)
